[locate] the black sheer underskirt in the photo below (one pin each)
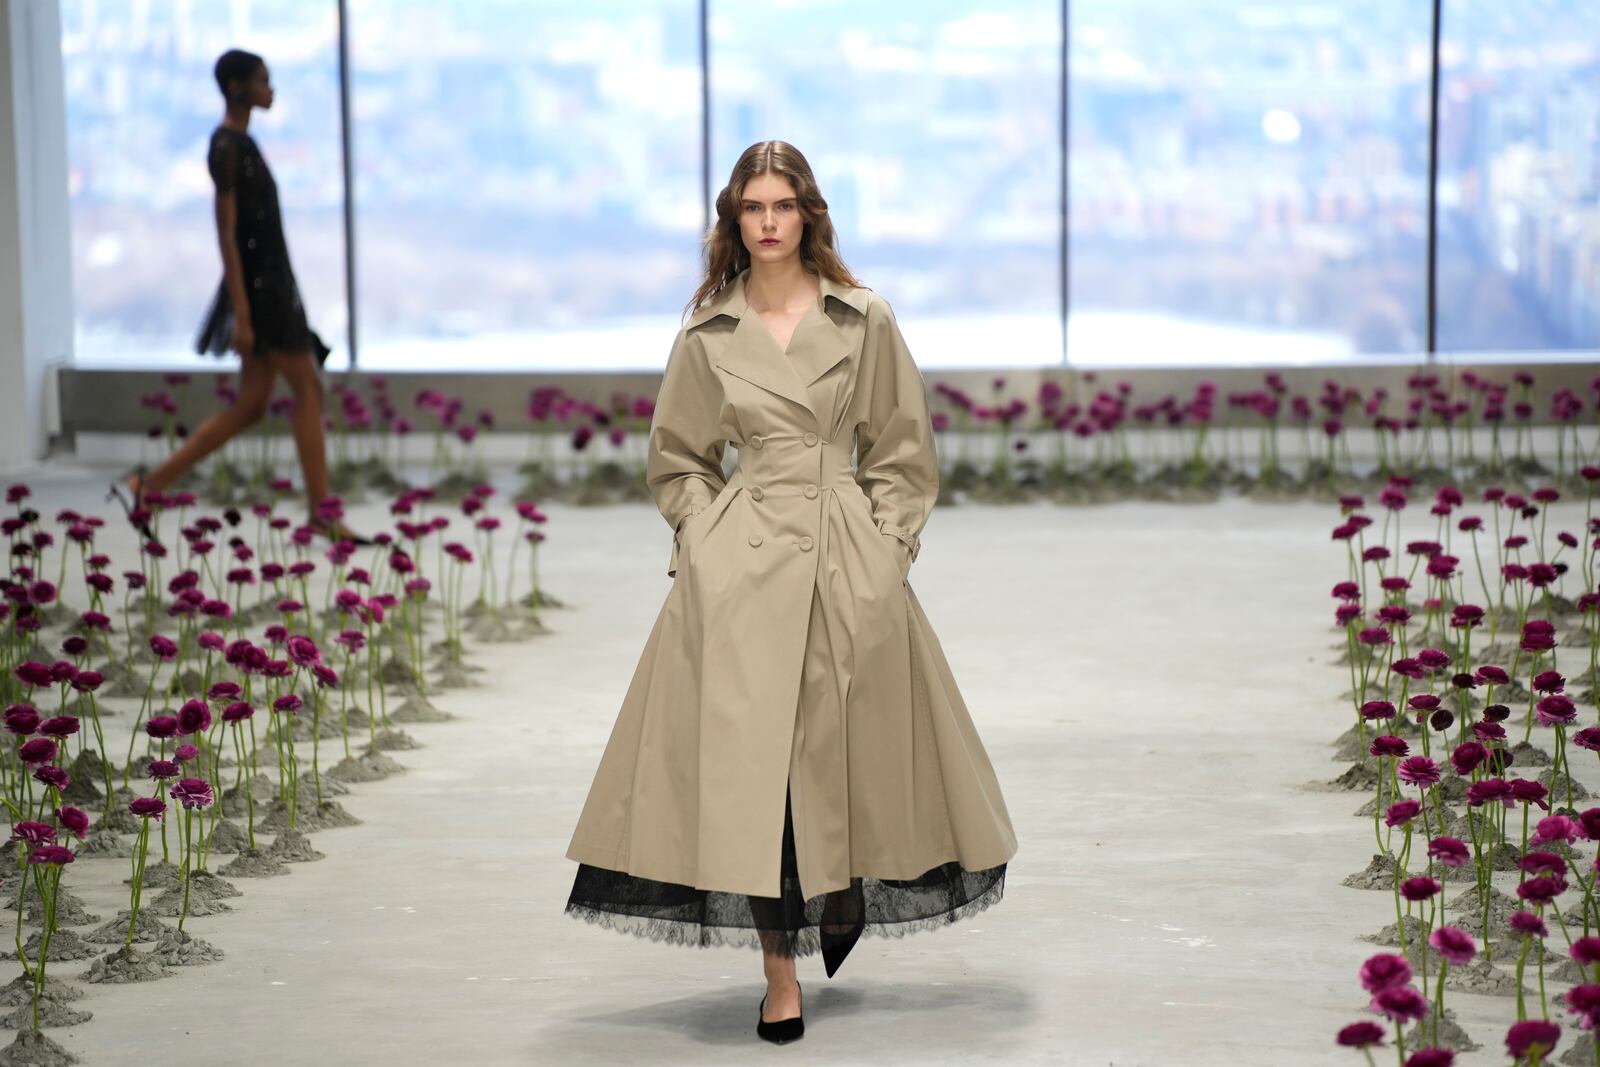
(788, 925)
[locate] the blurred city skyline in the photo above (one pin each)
(1247, 180)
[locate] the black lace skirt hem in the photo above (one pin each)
(721, 922)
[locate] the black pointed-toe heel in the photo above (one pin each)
(784, 1030)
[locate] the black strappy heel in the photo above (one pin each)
(128, 509)
(784, 1030)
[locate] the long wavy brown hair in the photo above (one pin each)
(725, 253)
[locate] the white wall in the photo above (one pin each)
(35, 239)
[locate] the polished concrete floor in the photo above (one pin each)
(1154, 684)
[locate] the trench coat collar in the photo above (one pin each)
(817, 346)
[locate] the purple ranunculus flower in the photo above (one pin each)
(1467, 756)
(1586, 950)
(1385, 970)
(1557, 709)
(59, 726)
(1557, 828)
(1432, 1056)
(194, 717)
(88, 681)
(35, 674)
(211, 641)
(34, 833)
(223, 691)
(193, 793)
(185, 753)
(303, 651)
(1548, 682)
(76, 820)
(37, 750)
(1532, 1036)
(1541, 890)
(1419, 888)
(1584, 1001)
(1454, 944)
(1420, 771)
(1388, 745)
(1360, 1035)
(1588, 737)
(1527, 791)
(53, 855)
(163, 768)
(22, 719)
(289, 702)
(1377, 709)
(1528, 924)
(1450, 851)
(148, 807)
(56, 778)
(162, 726)
(1402, 1003)
(1402, 812)
(163, 647)
(238, 711)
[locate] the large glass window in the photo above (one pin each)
(1248, 181)
(1519, 181)
(527, 180)
(141, 105)
(934, 132)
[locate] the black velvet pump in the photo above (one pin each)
(784, 1030)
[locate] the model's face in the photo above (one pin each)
(769, 218)
(257, 91)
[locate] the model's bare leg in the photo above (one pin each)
(783, 991)
(300, 371)
(255, 388)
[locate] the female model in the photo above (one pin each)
(792, 765)
(257, 311)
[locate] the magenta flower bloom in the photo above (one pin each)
(1586, 950)
(1488, 790)
(193, 793)
(1408, 667)
(1360, 1035)
(21, 719)
(1538, 636)
(1345, 614)
(1402, 812)
(1420, 771)
(163, 647)
(1528, 924)
(1434, 659)
(34, 833)
(1432, 1057)
(1555, 828)
(1557, 709)
(1584, 1001)
(55, 777)
(1419, 888)
(1588, 737)
(223, 691)
(1541, 890)
(1375, 635)
(35, 674)
(1377, 709)
(1548, 682)
(303, 651)
(53, 855)
(1385, 970)
(237, 712)
(1455, 944)
(1467, 756)
(194, 717)
(1450, 851)
(289, 702)
(162, 726)
(60, 726)
(1539, 861)
(1491, 675)
(1402, 1003)
(38, 750)
(74, 819)
(1527, 791)
(1532, 1036)
(1496, 713)
(1388, 745)
(148, 807)
(1347, 591)
(163, 768)
(211, 641)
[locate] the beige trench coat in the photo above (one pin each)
(790, 649)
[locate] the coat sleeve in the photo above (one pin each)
(683, 467)
(896, 464)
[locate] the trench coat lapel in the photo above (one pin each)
(817, 346)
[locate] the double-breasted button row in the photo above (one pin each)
(755, 540)
(756, 492)
(757, 441)
(805, 543)
(811, 439)
(810, 491)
